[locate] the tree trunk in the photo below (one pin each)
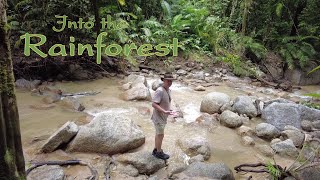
(294, 29)
(95, 9)
(12, 164)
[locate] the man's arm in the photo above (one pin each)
(159, 108)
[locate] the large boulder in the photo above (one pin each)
(109, 134)
(47, 172)
(301, 77)
(309, 173)
(282, 114)
(265, 150)
(143, 161)
(156, 84)
(286, 148)
(244, 105)
(61, 136)
(212, 102)
(137, 92)
(231, 119)
(136, 79)
(201, 170)
(25, 84)
(195, 145)
(267, 131)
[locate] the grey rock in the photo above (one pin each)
(266, 131)
(265, 150)
(199, 75)
(245, 131)
(175, 168)
(138, 92)
(244, 105)
(310, 173)
(143, 161)
(195, 145)
(275, 140)
(212, 102)
(306, 125)
(72, 103)
(156, 84)
(181, 72)
(109, 134)
(316, 124)
(282, 114)
(63, 135)
(199, 88)
(127, 86)
(285, 148)
(51, 98)
(247, 140)
(209, 170)
(309, 114)
(136, 79)
(25, 84)
(297, 137)
(128, 169)
(231, 119)
(46, 172)
(197, 158)
(207, 120)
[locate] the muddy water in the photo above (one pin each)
(37, 125)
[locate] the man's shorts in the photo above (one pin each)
(159, 128)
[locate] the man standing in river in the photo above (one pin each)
(161, 104)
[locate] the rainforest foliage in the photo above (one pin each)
(237, 32)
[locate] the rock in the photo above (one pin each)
(175, 107)
(62, 136)
(279, 100)
(244, 105)
(137, 92)
(54, 172)
(128, 169)
(156, 84)
(227, 106)
(108, 134)
(207, 120)
(177, 67)
(276, 140)
(301, 78)
(209, 171)
(199, 75)
(282, 114)
(212, 102)
(175, 168)
(266, 131)
(42, 106)
(285, 148)
(143, 161)
(245, 131)
(310, 173)
(230, 119)
(193, 146)
(247, 140)
(136, 79)
(297, 137)
(316, 124)
(309, 114)
(181, 72)
(274, 65)
(81, 74)
(200, 88)
(197, 158)
(72, 103)
(127, 86)
(25, 84)
(265, 150)
(51, 98)
(315, 134)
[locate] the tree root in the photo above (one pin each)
(93, 171)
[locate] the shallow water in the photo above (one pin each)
(225, 144)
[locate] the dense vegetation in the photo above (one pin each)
(238, 32)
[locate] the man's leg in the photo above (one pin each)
(158, 141)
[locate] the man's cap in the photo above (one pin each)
(167, 76)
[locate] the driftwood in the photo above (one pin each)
(94, 172)
(81, 94)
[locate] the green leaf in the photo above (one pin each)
(122, 2)
(279, 9)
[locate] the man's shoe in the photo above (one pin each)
(160, 154)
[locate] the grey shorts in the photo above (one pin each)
(159, 128)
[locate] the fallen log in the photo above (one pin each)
(81, 94)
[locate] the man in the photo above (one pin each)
(161, 104)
